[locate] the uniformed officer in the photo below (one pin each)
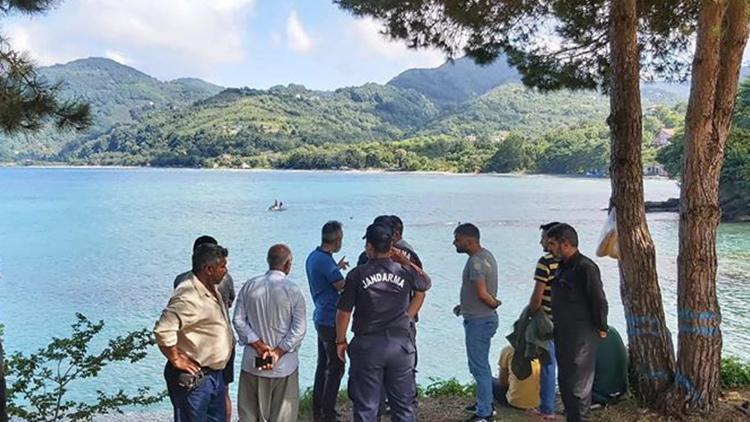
(382, 352)
(402, 247)
(580, 313)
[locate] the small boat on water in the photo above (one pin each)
(277, 206)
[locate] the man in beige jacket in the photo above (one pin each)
(195, 335)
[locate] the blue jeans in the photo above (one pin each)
(547, 381)
(479, 333)
(204, 404)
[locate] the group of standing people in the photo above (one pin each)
(380, 298)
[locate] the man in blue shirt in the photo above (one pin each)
(326, 281)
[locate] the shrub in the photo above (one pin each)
(39, 382)
(734, 373)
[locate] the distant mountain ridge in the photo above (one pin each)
(137, 117)
(457, 82)
(118, 94)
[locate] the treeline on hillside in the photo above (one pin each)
(735, 175)
(578, 149)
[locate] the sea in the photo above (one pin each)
(108, 242)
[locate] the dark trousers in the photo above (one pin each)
(383, 398)
(576, 362)
(328, 375)
(203, 404)
(377, 361)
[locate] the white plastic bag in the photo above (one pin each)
(608, 241)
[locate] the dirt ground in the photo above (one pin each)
(449, 409)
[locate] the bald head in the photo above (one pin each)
(279, 258)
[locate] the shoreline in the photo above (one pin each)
(11, 165)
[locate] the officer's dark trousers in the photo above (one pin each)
(377, 361)
(576, 360)
(327, 375)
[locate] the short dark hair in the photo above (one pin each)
(380, 236)
(397, 225)
(545, 227)
(468, 230)
(330, 230)
(564, 232)
(204, 240)
(278, 255)
(208, 254)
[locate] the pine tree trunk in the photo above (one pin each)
(3, 412)
(650, 342)
(722, 34)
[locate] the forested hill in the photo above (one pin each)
(118, 94)
(453, 117)
(455, 83)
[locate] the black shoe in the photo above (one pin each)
(477, 418)
(472, 408)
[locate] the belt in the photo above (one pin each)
(388, 332)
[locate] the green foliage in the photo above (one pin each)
(116, 94)
(514, 154)
(28, 101)
(522, 29)
(735, 174)
(448, 388)
(734, 373)
(40, 381)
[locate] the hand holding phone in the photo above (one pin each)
(263, 362)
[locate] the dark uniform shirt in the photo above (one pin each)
(578, 295)
(545, 271)
(379, 292)
(403, 248)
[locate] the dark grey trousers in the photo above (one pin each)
(379, 361)
(576, 361)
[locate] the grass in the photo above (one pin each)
(444, 400)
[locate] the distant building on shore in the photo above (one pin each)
(664, 137)
(655, 170)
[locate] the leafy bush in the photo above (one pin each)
(734, 373)
(40, 381)
(450, 387)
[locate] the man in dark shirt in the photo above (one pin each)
(399, 244)
(580, 313)
(382, 351)
(402, 247)
(326, 281)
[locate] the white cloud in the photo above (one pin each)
(367, 31)
(119, 58)
(297, 39)
(31, 39)
(170, 38)
(210, 30)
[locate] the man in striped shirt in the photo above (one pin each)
(542, 298)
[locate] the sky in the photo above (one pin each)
(254, 43)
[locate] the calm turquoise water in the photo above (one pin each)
(108, 243)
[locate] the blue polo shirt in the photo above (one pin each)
(322, 272)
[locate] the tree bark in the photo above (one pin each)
(650, 342)
(3, 412)
(721, 39)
